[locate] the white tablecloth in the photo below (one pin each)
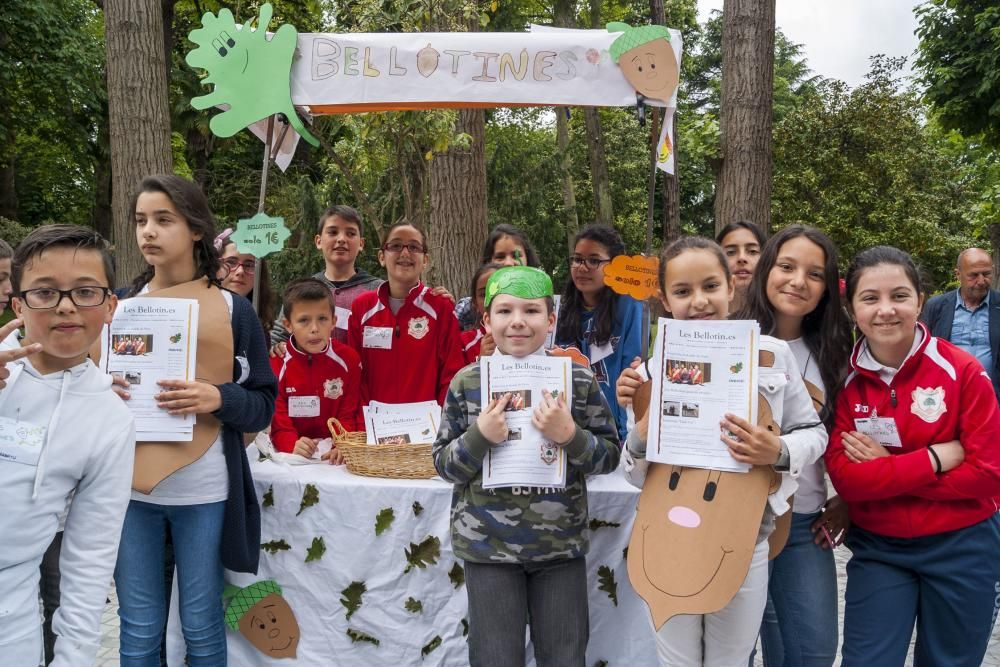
(344, 517)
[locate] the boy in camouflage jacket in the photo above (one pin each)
(524, 547)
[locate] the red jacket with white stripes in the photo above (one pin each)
(471, 341)
(332, 378)
(940, 393)
(408, 357)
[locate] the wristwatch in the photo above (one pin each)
(784, 461)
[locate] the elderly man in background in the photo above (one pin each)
(970, 316)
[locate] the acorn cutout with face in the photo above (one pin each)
(695, 530)
(647, 59)
(264, 617)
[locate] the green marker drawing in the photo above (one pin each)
(251, 73)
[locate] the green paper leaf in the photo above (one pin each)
(413, 605)
(625, 553)
(274, 546)
(309, 498)
(260, 235)
(268, 497)
(351, 597)
(316, 550)
(358, 636)
(457, 576)
(423, 554)
(601, 663)
(417, 508)
(430, 646)
(261, 457)
(465, 627)
(598, 523)
(384, 520)
(606, 577)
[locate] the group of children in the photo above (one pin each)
(923, 526)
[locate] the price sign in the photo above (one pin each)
(634, 275)
(260, 235)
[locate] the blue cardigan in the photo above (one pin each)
(626, 345)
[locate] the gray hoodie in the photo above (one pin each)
(87, 450)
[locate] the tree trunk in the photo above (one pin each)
(138, 113)
(563, 16)
(599, 178)
(458, 206)
(101, 218)
(744, 184)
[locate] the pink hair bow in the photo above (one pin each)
(221, 239)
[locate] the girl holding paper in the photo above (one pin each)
(914, 453)
(696, 285)
(795, 296)
(605, 326)
(209, 505)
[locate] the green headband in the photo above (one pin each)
(633, 37)
(246, 598)
(524, 282)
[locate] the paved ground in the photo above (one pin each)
(108, 655)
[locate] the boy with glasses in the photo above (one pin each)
(55, 454)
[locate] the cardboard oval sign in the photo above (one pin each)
(633, 275)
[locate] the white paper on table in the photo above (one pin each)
(153, 339)
(526, 458)
(401, 423)
(700, 371)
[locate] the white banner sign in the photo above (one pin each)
(382, 71)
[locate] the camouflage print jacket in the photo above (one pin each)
(521, 524)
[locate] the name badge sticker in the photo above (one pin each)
(20, 442)
(378, 338)
(343, 317)
(880, 429)
(303, 406)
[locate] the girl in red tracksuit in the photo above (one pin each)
(915, 454)
(318, 377)
(407, 338)
(477, 340)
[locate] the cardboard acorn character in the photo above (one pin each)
(647, 59)
(263, 616)
(695, 529)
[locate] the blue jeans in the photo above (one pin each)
(948, 584)
(549, 596)
(196, 531)
(800, 621)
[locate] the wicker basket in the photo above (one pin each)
(409, 461)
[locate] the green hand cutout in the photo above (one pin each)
(251, 73)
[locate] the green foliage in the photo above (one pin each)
(350, 597)
(423, 554)
(430, 646)
(384, 520)
(456, 575)
(607, 583)
(417, 508)
(309, 498)
(865, 167)
(268, 500)
(959, 63)
(12, 232)
(316, 549)
(274, 546)
(359, 636)
(413, 605)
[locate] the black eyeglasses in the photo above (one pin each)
(49, 297)
(397, 247)
(591, 263)
(231, 264)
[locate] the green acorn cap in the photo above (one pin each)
(633, 37)
(244, 600)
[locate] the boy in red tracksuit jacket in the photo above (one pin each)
(318, 378)
(411, 354)
(915, 453)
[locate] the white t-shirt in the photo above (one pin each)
(203, 481)
(811, 494)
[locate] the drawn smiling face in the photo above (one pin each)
(271, 627)
(651, 68)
